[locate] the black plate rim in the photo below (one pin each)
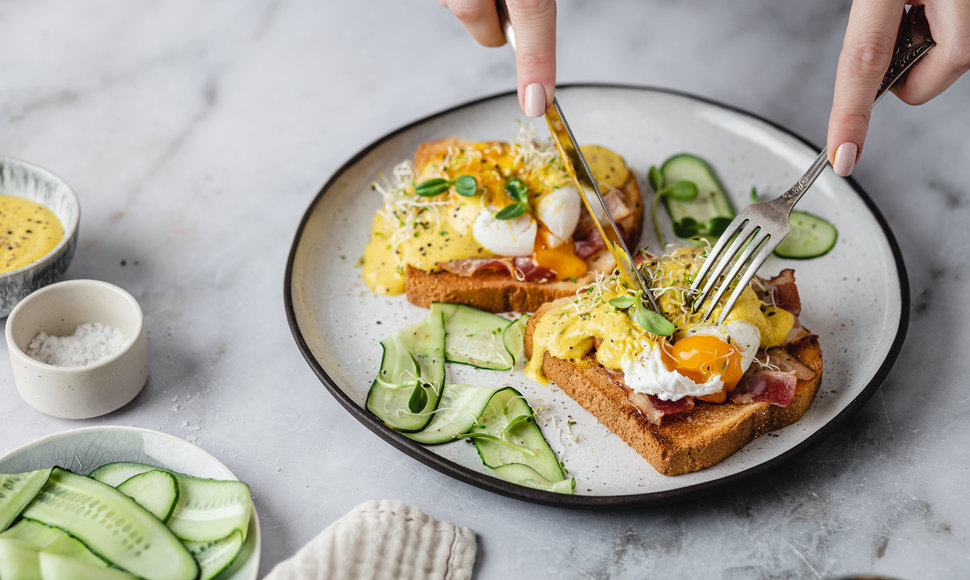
(495, 485)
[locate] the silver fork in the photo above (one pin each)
(760, 227)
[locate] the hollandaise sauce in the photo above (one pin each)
(422, 232)
(708, 357)
(28, 232)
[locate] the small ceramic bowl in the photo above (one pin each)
(22, 179)
(78, 392)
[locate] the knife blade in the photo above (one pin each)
(578, 169)
(575, 164)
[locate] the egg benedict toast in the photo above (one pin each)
(494, 225)
(690, 399)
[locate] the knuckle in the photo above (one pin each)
(535, 60)
(870, 53)
(532, 8)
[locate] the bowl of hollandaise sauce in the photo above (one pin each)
(39, 216)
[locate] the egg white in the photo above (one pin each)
(648, 374)
(559, 212)
(513, 237)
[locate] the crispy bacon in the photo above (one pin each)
(524, 269)
(785, 362)
(617, 208)
(651, 407)
(589, 246)
(775, 387)
(782, 292)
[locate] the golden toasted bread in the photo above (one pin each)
(498, 291)
(683, 442)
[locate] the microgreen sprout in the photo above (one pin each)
(466, 186)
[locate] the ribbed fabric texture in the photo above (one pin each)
(384, 539)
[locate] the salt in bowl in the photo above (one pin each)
(78, 392)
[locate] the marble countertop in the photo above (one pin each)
(196, 134)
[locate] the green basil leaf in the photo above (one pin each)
(717, 225)
(516, 189)
(686, 228)
(419, 398)
(653, 322)
(466, 185)
(622, 302)
(511, 211)
(682, 190)
(432, 187)
(656, 178)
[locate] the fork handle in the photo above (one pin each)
(912, 43)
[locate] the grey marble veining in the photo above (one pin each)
(195, 135)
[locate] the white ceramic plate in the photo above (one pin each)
(855, 298)
(82, 450)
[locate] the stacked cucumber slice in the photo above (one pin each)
(709, 212)
(124, 520)
(415, 400)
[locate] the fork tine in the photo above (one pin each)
(735, 226)
(748, 230)
(768, 245)
(757, 240)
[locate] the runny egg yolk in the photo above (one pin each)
(561, 259)
(700, 357)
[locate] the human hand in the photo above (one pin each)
(534, 22)
(866, 52)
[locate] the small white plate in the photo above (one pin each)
(82, 450)
(855, 298)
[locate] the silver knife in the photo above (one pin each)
(575, 164)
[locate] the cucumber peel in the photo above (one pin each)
(498, 420)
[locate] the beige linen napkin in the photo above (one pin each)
(384, 539)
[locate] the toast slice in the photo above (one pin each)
(497, 291)
(684, 442)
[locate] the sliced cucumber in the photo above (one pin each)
(206, 510)
(210, 509)
(459, 410)
(157, 491)
(405, 402)
(474, 337)
(525, 475)
(52, 540)
(118, 472)
(507, 434)
(513, 337)
(18, 560)
(810, 237)
(113, 526)
(17, 490)
(706, 215)
(61, 567)
(215, 556)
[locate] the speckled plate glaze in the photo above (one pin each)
(855, 298)
(82, 450)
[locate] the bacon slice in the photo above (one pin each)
(592, 245)
(785, 362)
(782, 292)
(652, 407)
(531, 271)
(616, 206)
(524, 269)
(775, 387)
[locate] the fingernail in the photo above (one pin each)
(845, 159)
(535, 100)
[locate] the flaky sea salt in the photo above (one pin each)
(91, 342)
